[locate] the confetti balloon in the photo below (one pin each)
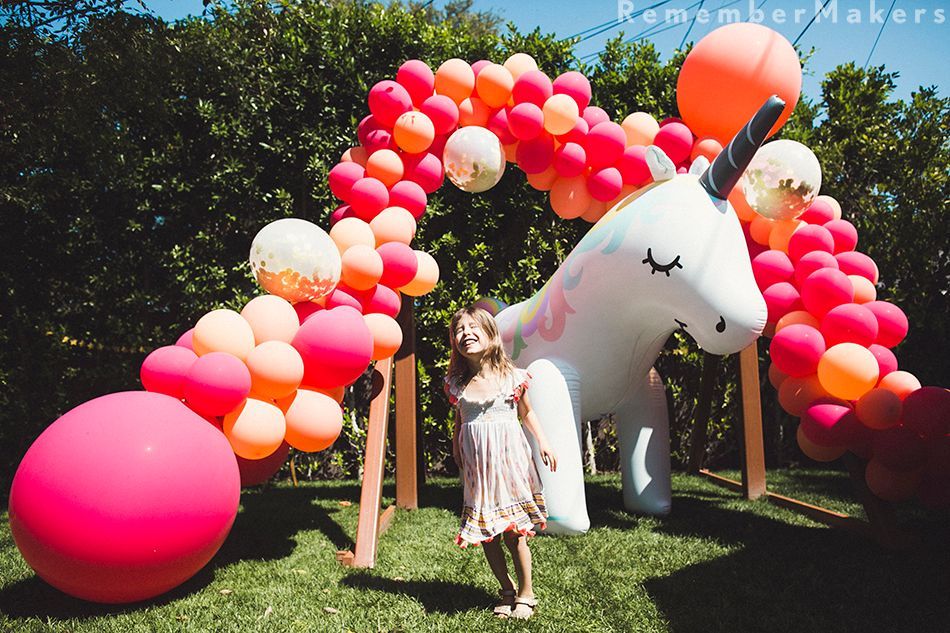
(782, 180)
(295, 259)
(474, 159)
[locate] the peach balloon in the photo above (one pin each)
(542, 181)
(387, 335)
(569, 197)
(357, 155)
(848, 371)
(745, 213)
(776, 375)
(427, 276)
(797, 317)
(709, 148)
(414, 132)
(595, 211)
(255, 429)
(314, 420)
(494, 84)
(276, 369)
(455, 79)
(385, 166)
(271, 319)
(835, 206)
(795, 394)
(864, 290)
(760, 229)
(394, 224)
(473, 111)
(879, 409)
(336, 393)
(560, 114)
(816, 451)
(351, 231)
(223, 331)
(520, 63)
(782, 231)
(511, 152)
(902, 383)
(641, 128)
(362, 267)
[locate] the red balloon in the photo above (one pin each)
(425, 170)
(366, 125)
(532, 87)
(675, 140)
(810, 262)
(382, 300)
(335, 346)
(771, 267)
(819, 212)
(399, 264)
(216, 383)
(525, 121)
(825, 289)
(576, 86)
(807, 239)
(829, 423)
(796, 350)
(605, 184)
(498, 125)
(535, 155)
(927, 412)
(578, 133)
(891, 321)
(898, 448)
(633, 165)
(305, 309)
(593, 115)
(165, 369)
(410, 196)
(886, 361)
(443, 112)
(368, 196)
(387, 100)
(781, 298)
(342, 178)
(849, 323)
(256, 471)
(605, 144)
(844, 234)
(418, 80)
(855, 263)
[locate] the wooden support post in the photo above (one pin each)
(407, 489)
(753, 448)
(697, 442)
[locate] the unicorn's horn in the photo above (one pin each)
(726, 170)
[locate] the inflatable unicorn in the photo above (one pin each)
(669, 256)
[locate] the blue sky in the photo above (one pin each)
(916, 43)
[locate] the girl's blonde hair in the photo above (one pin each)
(498, 362)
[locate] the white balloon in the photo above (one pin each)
(782, 180)
(296, 260)
(474, 159)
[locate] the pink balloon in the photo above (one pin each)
(891, 322)
(185, 339)
(216, 383)
(819, 212)
(379, 138)
(368, 196)
(593, 115)
(578, 133)
(605, 144)
(771, 267)
(844, 234)
(425, 170)
(898, 448)
(124, 497)
(830, 423)
(532, 87)
(535, 155)
(342, 211)
(825, 289)
(399, 264)
(576, 86)
(810, 262)
(633, 165)
(343, 295)
(443, 112)
(807, 239)
(849, 323)
(855, 263)
(305, 309)
(498, 125)
(927, 412)
(164, 370)
(418, 80)
(335, 346)
(796, 350)
(342, 178)
(570, 160)
(675, 140)
(256, 471)
(525, 121)
(780, 299)
(477, 66)
(605, 184)
(410, 196)
(387, 100)
(886, 361)
(382, 300)
(366, 125)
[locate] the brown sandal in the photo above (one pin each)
(524, 608)
(503, 609)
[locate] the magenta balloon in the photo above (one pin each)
(605, 184)
(378, 139)
(410, 196)
(368, 196)
(256, 471)
(535, 155)
(185, 339)
(578, 133)
(829, 423)
(570, 160)
(819, 212)
(498, 125)
(342, 211)
(849, 323)
(387, 100)
(780, 299)
(824, 289)
(366, 125)
(342, 295)
(807, 239)
(810, 262)
(796, 349)
(574, 85)
(342, 178)
(418, 80)
(676, 140)
(525, 121)
(425, 170)
(532, 87)
(771, 267)
(891, 322)
(633, 165)
(443, 112)
(593, 115)
(216, 383)
(305, 309)
(886, 361)
(335, 346)
(605, 144)
(855, 263)
(382, 300)
(898, 448)
(164, 370)
(399, 264)
(124, 497)
(844, 234)
(927, 412)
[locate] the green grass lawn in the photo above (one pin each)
(717, 563)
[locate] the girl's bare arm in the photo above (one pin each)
(530, 421)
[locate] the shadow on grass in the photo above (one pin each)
(435, 596)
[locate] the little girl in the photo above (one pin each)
(501, 482)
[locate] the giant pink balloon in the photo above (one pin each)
(124, 497)
(335, 346)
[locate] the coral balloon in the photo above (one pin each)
(879, 409)
(387, 100)
(494, 84)
(223, 331)
(362, 267)
(385, 166)
(824, 289)
(795, 394)
(335, 346)
(387, 335)
(427, 276)
(357, 155)
(902, 383)
(255, 429)
(410, 196)
(891, 321)
(847, 371)
(889, 484)
(796, 350)
(350, 232)
(473, 111)
(399, 264)
(544, 180)
(271, 319)
(776, 375)
(276, 369)
(782, 231)
(569, 197)
(708, 148)
(520, 63)
(864, 290)
(392, 225)
(164, 370)
(314, 420)
(455, 79)
(418, 80)
(413, 132)
(818, 452)
(641, 128)
(797, 316)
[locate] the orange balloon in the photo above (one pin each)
(473, 112)
(848, 371)
(427, 276)
(729, 74)
(271, 319)
(314, 420)
(902, 383)
(879, 409)
(455, 79)
(223, 331)
(511, 152)
(336, 393)
(414, 132)
(276, 369)
(393, 224)
(781, 232)
(570, 197)
(520, 63)
(494, 84)
(560, 114)
(255, 429)
(744, 211)
(795, 394)
(387, 335)
(641, 128)
(595, 211)
(543, 181)
(889, 484)
(817, 452)
(761, 229)
(709, 148)
(797, 317)
(776, 375)
(385, 166)
(362, 267)
(357, 155)
(864, 290)
(625, 191)
(350, 231)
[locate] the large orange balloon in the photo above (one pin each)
(848, 371)
(730, 73)
(569, 197)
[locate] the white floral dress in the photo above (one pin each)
(502, 487)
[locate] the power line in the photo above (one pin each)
(685, 35)
(810, 22)
(878, 38)
(606, 26)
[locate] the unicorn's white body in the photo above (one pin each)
(669, 256)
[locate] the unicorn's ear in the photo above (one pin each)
(661, 167)
(699, 165)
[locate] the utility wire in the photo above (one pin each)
(810, 22)
(603, 28)
(683, 41)
(878, 38)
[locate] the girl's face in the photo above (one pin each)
(470, 339)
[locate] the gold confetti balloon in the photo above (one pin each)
(782, 180)
(474, 159)
(295, 260)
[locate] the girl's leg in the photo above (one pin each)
(498, 564)
(521, 557)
